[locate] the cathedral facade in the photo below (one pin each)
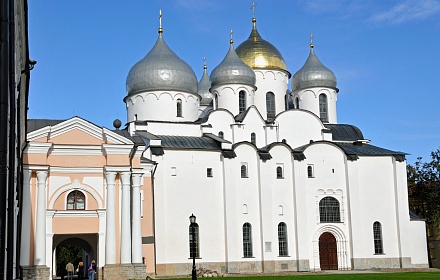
(275, 182)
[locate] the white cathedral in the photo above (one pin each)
(275, 183)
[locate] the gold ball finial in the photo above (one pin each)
(204, 63)
(311, 41)
(254, 20)
(230, 34)
(160, 31)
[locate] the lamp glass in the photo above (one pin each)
(192, 219)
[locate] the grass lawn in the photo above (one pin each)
(342, 276)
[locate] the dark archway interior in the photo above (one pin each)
(87, 243)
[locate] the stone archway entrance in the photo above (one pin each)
(328, 252)
(88, 244)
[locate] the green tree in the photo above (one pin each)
(67, 253)
(424, 188)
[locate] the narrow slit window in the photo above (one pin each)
(241, 101)
(179, 107)
(208, 172)
(377, 232)
(247, 240)
(279, 172)
(323, 108)
(310, 171)
(270, 105)
(244, 171)
(282, 239)
(253, 138)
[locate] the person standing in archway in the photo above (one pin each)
(92, 270)
(80, 270)
(69, 269)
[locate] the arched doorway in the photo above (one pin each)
(328, 252)
(86, 243)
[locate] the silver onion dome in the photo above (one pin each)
(232, 70)
(161, 69)
(313, 74)
(204, 86)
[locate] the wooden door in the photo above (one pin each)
(328, 252)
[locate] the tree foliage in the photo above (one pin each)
(424, 188)
(68, 253)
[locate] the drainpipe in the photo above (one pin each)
(13, 141)
(4, 109)
(154, 217)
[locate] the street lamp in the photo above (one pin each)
(192, 220)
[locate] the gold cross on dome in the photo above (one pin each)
(253, 8)
(160, 18)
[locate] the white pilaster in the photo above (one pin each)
(101, 237)
(26, 219)
(49, 238)
(125, 219)
(136, 240)
(110, 240)
(40, 223)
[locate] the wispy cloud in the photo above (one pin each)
(409, 10)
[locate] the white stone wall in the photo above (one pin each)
(309, 100)
(227, 97)
(161, 106)
(275, 81)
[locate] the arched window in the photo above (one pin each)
(377, 232)
(241, 101)
(279, 172)
(297, 103)
(243, 171)
(329, 210)
(179, 107)
(215, 101)
(323, 108)
(221, 134)
(194, 251)
(310, 171)
(253, 138)
(270, 105)
(76, 201)
(247, 240)
(282, 239)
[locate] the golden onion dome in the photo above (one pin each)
(259, 53)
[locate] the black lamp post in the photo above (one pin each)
(192, 220)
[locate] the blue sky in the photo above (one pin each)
(385, 55)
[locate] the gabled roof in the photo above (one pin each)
(35, 124)
(38, 128)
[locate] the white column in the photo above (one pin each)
(26, 219)
(125, 219)
(136, 240)
(40, 223)
(110, 227)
